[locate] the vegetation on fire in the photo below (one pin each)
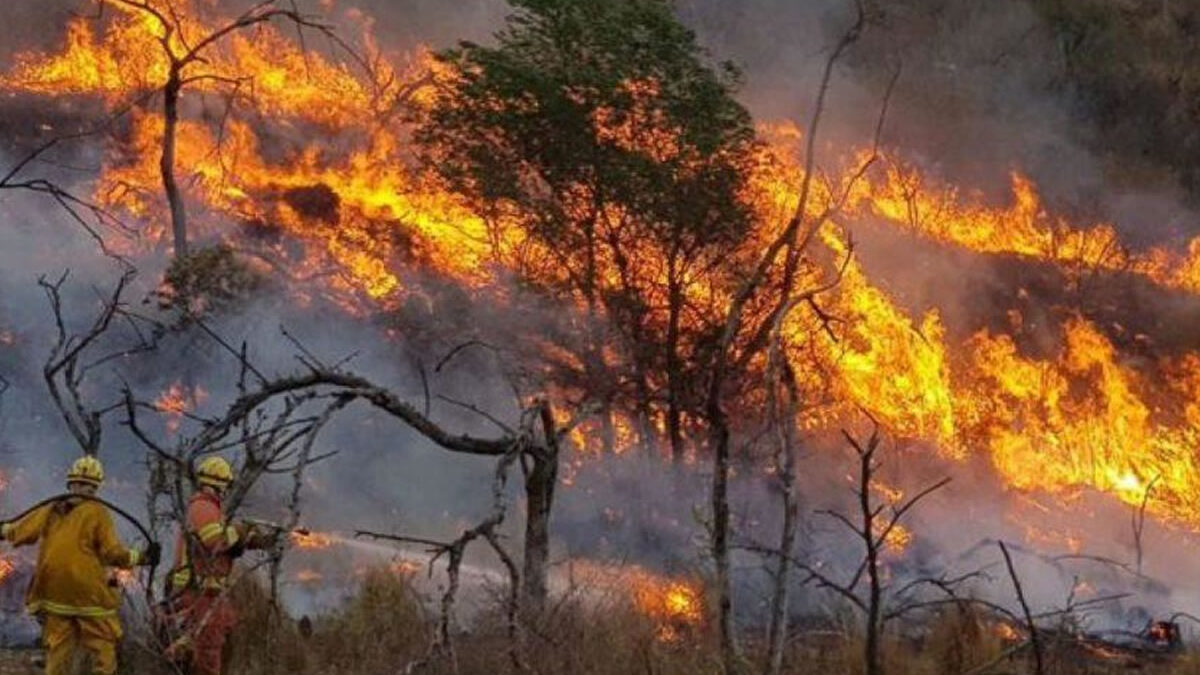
(385, 618)
(706, 304)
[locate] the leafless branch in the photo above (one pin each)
(1029, 622)
(1139, 522)
(443, 644)
(64, 370)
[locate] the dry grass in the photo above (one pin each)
(384, 627)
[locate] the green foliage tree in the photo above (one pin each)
(606, 131)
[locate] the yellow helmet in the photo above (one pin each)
(86, 469)
(214, 471)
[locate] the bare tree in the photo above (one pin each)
(442, 645)
(272, 417)
(74, 356)
(871, 525)
(186, 54)
(793, 242)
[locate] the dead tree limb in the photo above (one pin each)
(71, 358)
(443, 645)
(269, 418)
(1029, 622)
(181, 56)
(1139, 523)
(303, 461)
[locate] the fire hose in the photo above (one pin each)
(269, 526)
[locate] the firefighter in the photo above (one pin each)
(204, 555)
(70, 595)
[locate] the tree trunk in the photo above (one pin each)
(674, 377)
(539, 499)
(645, 420)
(167, 163)
(786, 467)
(720, 537)
(595, 370)
(871, 648)
(608, 432)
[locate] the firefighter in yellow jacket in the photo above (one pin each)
(69, 593)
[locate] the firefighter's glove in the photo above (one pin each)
(152, 556)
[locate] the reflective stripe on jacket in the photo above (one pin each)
(214, 544)
(78, 541)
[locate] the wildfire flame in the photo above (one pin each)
(177, 400)
(675, 605)
(311, 540)
(307, 576)
(1006, 632)
(7, 567)
(1081, 417)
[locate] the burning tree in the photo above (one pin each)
(184, 47)
(601, 132)
(595, 154)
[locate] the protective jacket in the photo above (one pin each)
(207, 546)
(78, 540)
(204, 555)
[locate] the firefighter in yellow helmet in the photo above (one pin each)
(204, 555)
(69, 593)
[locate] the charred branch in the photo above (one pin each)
(182, 54)
(1139, 523)
(867, 589)
(71, 358)
(1029, 622)
(443, 646)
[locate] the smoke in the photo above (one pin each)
(975, 100)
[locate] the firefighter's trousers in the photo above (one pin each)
(208, 619)
(65, 637)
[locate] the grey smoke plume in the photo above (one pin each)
(958, 109)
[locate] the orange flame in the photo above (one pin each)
(1082, 417)
(7, 567)
(312, 540)
(177, 400)
(307, 576)
(675, 605)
